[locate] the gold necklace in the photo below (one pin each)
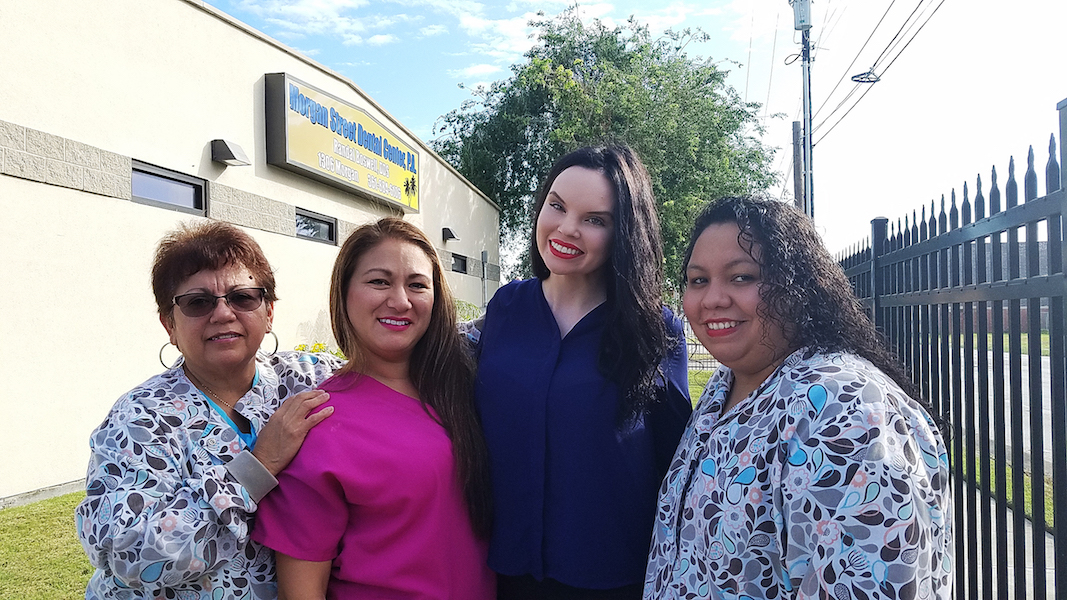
(211, 394)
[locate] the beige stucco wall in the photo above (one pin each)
(88, 86)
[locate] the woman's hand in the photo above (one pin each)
(284, 433)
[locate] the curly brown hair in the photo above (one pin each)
(803, 289)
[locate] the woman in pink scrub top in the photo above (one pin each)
(391, 500)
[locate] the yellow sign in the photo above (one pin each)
(316, 134)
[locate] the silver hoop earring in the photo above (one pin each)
(162, 362)
(275, 351)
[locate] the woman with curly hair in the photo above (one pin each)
(809, 469)
(582, 387)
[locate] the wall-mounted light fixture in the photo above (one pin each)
(448, 234)
(228, 153)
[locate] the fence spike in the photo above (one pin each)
(915, 226)
(1052, 169)
(979, 201)
(1030, 178)
(924, 228)
(994, 194)
(942, 219)
(966, 207)
(954, 213)
(900, 234)
(1011, 188)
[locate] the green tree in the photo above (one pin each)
(588, 84)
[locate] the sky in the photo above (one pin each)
(964, 84)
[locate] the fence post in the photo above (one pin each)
(1059, 371)
(879, 226)
(1062, 108)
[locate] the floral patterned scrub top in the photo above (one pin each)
(164, 516)
(826, 482)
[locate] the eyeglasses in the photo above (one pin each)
(199, 304)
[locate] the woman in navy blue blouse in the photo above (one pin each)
(582, 387)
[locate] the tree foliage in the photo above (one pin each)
(588, 84)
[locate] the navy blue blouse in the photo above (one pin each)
(574, 495)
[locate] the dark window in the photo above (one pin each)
(459, 263)
(314, 226)
(161, 187)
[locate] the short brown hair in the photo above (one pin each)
(211, 245)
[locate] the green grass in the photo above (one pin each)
(1010, 491)
(697, 381)
(40, 556)
(1045, 344)
(41, 559)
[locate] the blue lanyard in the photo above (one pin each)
(248, 440)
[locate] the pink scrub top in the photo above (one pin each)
(374, 490)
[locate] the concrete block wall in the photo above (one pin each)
(46, 158)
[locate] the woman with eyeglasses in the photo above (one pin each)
(181, 462)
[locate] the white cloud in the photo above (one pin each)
(597, 10)
(455, 8)
(308, 17)
(433, 30)
(504, 39)
(305, 8)
(475, 71)
(549, 6)
(382, 39)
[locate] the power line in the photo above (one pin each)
(770, 77)
(849, 69)
(897, 34)
(882, 70)
(826, 15)
(894, 59)
(874, 65)
(825, 36)
(785, 156)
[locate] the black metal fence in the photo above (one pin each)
(972, 300)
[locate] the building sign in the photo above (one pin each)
(317, 135)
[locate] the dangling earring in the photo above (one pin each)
(162, 362)
(275, 351)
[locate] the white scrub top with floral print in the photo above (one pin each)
(826, 482)
(163, 517)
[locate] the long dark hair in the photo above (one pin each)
(635, 338)
(441, 368)
(804, 291)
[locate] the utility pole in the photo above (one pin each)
(802, 23)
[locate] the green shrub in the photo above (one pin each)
(319, 347)
(465, 311)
